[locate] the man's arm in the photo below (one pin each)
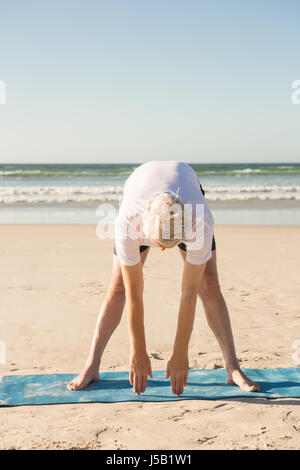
(140, 365)
(177, 366)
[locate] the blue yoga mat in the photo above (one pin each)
(204, 384)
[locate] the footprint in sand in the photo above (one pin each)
(92, 287)
(204, 439)
(156, 356)
(179, 416)
(220, 406)
(97, 434)
(289, 418)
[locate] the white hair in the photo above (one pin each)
(164, 219)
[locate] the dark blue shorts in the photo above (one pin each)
(182, 246)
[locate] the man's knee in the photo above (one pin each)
(209, 285)
(117, 290)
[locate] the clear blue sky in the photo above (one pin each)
(133, 80)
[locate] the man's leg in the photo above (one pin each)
(218, 320)
(109, 318)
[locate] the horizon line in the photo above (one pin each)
(140, 163)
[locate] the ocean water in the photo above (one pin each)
(259, 194)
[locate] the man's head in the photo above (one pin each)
(164, 220)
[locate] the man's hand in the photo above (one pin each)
(178, 365)
(140, 368)
(177, 368)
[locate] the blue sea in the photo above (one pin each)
(242, 194)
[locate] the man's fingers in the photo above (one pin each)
(136, 384)
(149, 372)
(139, 382)
(131, 377)
(178, 383)
(181, 386)
(144, 383)
(173, 384)
(185, 380)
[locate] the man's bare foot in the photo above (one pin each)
(237, 377)
(87, 376)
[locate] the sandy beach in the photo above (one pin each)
(52, 282)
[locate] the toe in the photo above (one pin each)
(73, 386)
(251, 387)
(70, 386)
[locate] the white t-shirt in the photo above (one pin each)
(146, 182)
